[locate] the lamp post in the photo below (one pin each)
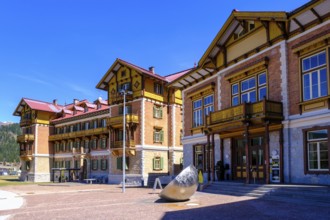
(124, 93)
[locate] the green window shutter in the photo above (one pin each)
(161, 163)
(154, 111)
(161, 112)
(119, 163)
(153, 164)
(161, 134)
(154, 136)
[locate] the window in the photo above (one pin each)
(252, 90)
(205, 104)
(318, 150)
(70, 145)
(123, 73)
(314, 74)
(104, 164)
(103, 143)
(57, 147)
(67, 164)
(157, 163)
(199, 157)
(197, 114)
(208, 104)
(104, 123)
(94, 143)
(158, 88)
(120, 163)
(94, 164)
(158, 135)
(158, 111)
(125, 86)
(128, 109)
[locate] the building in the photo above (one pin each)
(85, 139)
(258, 101)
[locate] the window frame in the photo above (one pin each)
(306, 150)
(310, 72)
(158, 163)
(158, 135)
(158, 111)
(250, 90)
(158, 88)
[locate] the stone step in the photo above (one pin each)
(299, 194)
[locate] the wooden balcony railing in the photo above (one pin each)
(118, 120)
(25, 152)
(118, 98)
(25, 122)
(119, 144)
(77, 134)
(25, 138)
(265, 110)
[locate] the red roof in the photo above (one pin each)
(172, 77)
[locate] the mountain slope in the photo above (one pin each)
(9, 148)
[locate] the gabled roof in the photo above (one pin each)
(232, 23)
(37, 105)
(311, 13)
(119, 63)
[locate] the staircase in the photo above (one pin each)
(299, 194)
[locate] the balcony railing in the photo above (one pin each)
(25, 122)
(25, 138)
(264, 110)
(119, 144)
(25, 152)
(118, 120)
(118, 98)
(77, 134)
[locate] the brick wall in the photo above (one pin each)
(294, 70)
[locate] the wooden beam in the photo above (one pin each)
(281, 26)
(266, 26)
(196, 81)
(317, 15)
(299, 24)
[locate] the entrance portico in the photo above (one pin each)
(248, 127)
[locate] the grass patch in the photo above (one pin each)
(11, 180)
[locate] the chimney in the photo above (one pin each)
(75, 101)
(55, 102)
(152, 69)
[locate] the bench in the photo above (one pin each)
(90, 181)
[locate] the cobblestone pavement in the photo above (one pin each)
(94, 201)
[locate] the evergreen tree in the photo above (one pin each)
(9, 148)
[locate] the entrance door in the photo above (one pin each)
(256, 159)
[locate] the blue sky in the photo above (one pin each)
(60, 49)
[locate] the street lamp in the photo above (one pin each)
(124, 93)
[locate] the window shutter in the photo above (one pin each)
(154, 111)
(119, 163)
(161, 163)
(153, 164)
(160, 112)
(97, 164)
(161, 134)
(154, 136)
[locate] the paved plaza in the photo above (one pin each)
(94, 201)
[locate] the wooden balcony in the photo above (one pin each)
(117, 122)
(118, 98)
(25, 122)
(26, 155)
(116, 148)
(78, 134)
(25, 138)
(256, 114)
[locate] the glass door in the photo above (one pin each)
(257, 161)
